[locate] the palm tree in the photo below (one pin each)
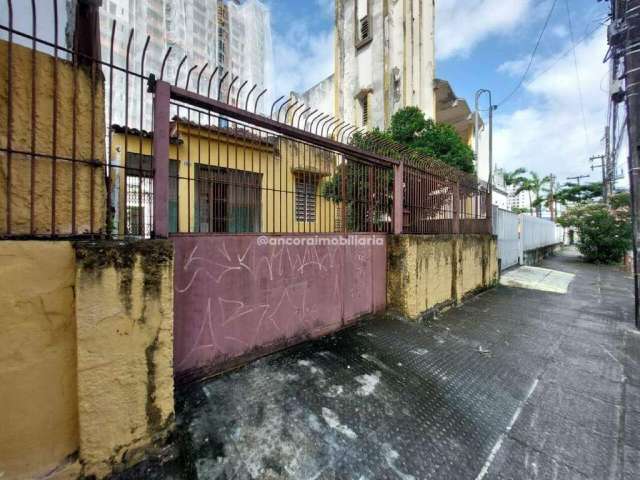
(533, 184)
(513, 178)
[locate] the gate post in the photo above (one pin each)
(489, 209)
(455, 229)
(398, 198)
(161, 159)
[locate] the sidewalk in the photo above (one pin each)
(515, 384)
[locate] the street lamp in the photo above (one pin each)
(492, 107)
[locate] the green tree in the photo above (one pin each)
(409, 127)
(572, 193)
(604, 232)
(515, 178)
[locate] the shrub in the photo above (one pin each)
(604, 232)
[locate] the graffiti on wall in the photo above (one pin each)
(236, 296)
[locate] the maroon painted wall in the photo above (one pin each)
(236, 298)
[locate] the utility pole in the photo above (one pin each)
(624, 36)
(552, 200)
(608, 167)
(603, 166)
(492, 108)
(577, 178)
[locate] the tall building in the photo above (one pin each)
(384, 61)
(233, 35)
(520, 201)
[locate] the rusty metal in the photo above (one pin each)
(313, 149)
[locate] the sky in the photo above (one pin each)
(552, 124)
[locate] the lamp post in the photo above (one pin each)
(492, 107)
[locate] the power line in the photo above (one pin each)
(578, 83)
(582, 39)
(533, 55)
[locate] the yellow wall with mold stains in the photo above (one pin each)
(89, 144)
(427, 271)
(86, 377)
(125, 355)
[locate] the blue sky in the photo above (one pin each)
(486, 44)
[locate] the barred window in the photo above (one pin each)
(363, 23)
(306, 188)
(364, 107)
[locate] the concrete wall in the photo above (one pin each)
(397, 66)
(238, 297)
(427, 272)
(88, 144)
(85, 379)
(124, 315)
(523, 239)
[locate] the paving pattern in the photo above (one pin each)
(515, 384)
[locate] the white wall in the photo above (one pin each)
(520, 233)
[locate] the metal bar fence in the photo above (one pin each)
(84, 152)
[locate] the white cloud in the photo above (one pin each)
(462, 24)
(548, 136)
(302, 58)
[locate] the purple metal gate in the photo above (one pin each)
(241, 296)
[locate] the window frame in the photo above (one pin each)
(308, 209)
(358, 41)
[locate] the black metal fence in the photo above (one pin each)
(79, 127)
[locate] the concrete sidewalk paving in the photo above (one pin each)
(515, 384)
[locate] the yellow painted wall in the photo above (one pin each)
(38, 385)
(87, 146)
(431, 271)
(86, 379)
(124, 307)
(277, 163)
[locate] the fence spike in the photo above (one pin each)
(246, 103)
(215, 70)
(200, 77)
(184, 59)
(255, 107)
(164, 60)
(221, 82)
(186, 86)
(306, 119)
(293, 114)
(273, 106)
(240, 90)
(230, 87)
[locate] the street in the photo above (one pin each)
(514, 384)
